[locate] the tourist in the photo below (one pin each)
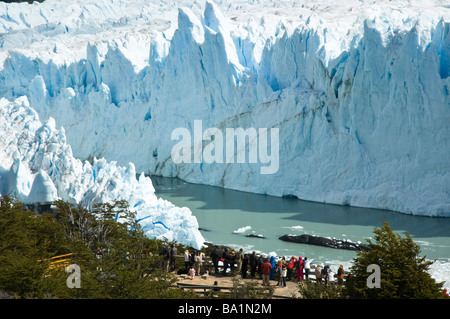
(272, 270)
(192, 258)
(253, 264)
(325, 272)
(186, 260)
(239, 259)
(99, 253)
(278, 269)
(307, 267)
(215, 257)
(173, 257)
(290, 267)
(318, 273)
(166, 254)
(331, 276)
(198, 262)
(300, 268)
(265, 268)
(259, 265)
(283, 275)
(224, 259)
(244, 266)
(340, 276)
(192, 272)
(216, 286)
(232, 259)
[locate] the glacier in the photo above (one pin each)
(359, 92)
(37, 166)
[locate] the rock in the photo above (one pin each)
(254, 236)
(323, 241)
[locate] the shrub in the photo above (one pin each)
(403, 272)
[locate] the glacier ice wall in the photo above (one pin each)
(359, 92)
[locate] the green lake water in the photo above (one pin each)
(227, 216)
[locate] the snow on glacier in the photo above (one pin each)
(359, 90)
(37, 166)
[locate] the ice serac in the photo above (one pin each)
(37, 166)
(359, 91)
(43, 190)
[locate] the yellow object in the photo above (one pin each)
(59, 262)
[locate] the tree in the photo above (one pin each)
(130, 266)
(25, 238)
(403, 272)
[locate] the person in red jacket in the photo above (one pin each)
(290, 267)
(300, 268)
(266, 267)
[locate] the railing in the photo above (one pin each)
(215, 289)
(58, 262)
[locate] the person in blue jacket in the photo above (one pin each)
(272, 271)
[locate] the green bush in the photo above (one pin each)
(309, 289)
(403, 272)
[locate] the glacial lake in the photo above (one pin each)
(227, 216)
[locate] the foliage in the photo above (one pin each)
(318, 290)
(129, 268)
(249, 290)
(403, 273)
(24, 239)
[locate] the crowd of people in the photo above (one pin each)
(253, 266)
(193, 261)
(282, 270)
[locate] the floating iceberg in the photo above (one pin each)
(242, 229)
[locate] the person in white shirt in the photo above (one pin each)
(187, 260)
(330, 276)
(284, 275)
(307, 267)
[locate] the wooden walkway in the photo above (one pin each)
(204, 284)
